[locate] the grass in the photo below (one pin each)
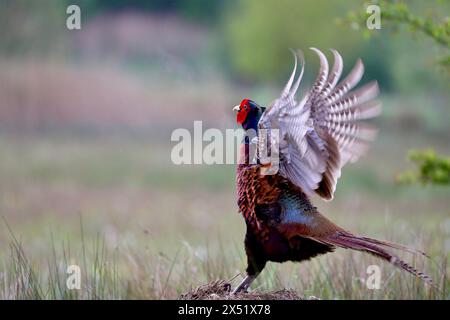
(151, 274)
(140, 228)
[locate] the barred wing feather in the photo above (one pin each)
(323, 131)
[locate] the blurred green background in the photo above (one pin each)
(86, 117)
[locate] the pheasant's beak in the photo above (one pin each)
(236, 108)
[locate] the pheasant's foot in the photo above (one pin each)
(243, 286)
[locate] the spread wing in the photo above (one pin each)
(323, 131)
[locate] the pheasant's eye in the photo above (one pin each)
(245, 108)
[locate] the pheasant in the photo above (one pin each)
(316, 138)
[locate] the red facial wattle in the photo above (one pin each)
(241, 116)
(243, 112)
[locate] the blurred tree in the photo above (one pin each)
(257, 34)
(395, 14)
(200, 10)
(31, 27)
(431, 168)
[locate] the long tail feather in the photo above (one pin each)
(377, 248)
(395, 246)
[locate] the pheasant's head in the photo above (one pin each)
(248, 114)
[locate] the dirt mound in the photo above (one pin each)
(221, 290)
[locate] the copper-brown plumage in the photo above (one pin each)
(272, 237)
(318, 136)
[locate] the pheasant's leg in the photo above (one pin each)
(256, 260)
(243, 286)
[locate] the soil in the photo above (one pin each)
(221, 290)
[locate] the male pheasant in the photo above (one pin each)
(280, 169)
